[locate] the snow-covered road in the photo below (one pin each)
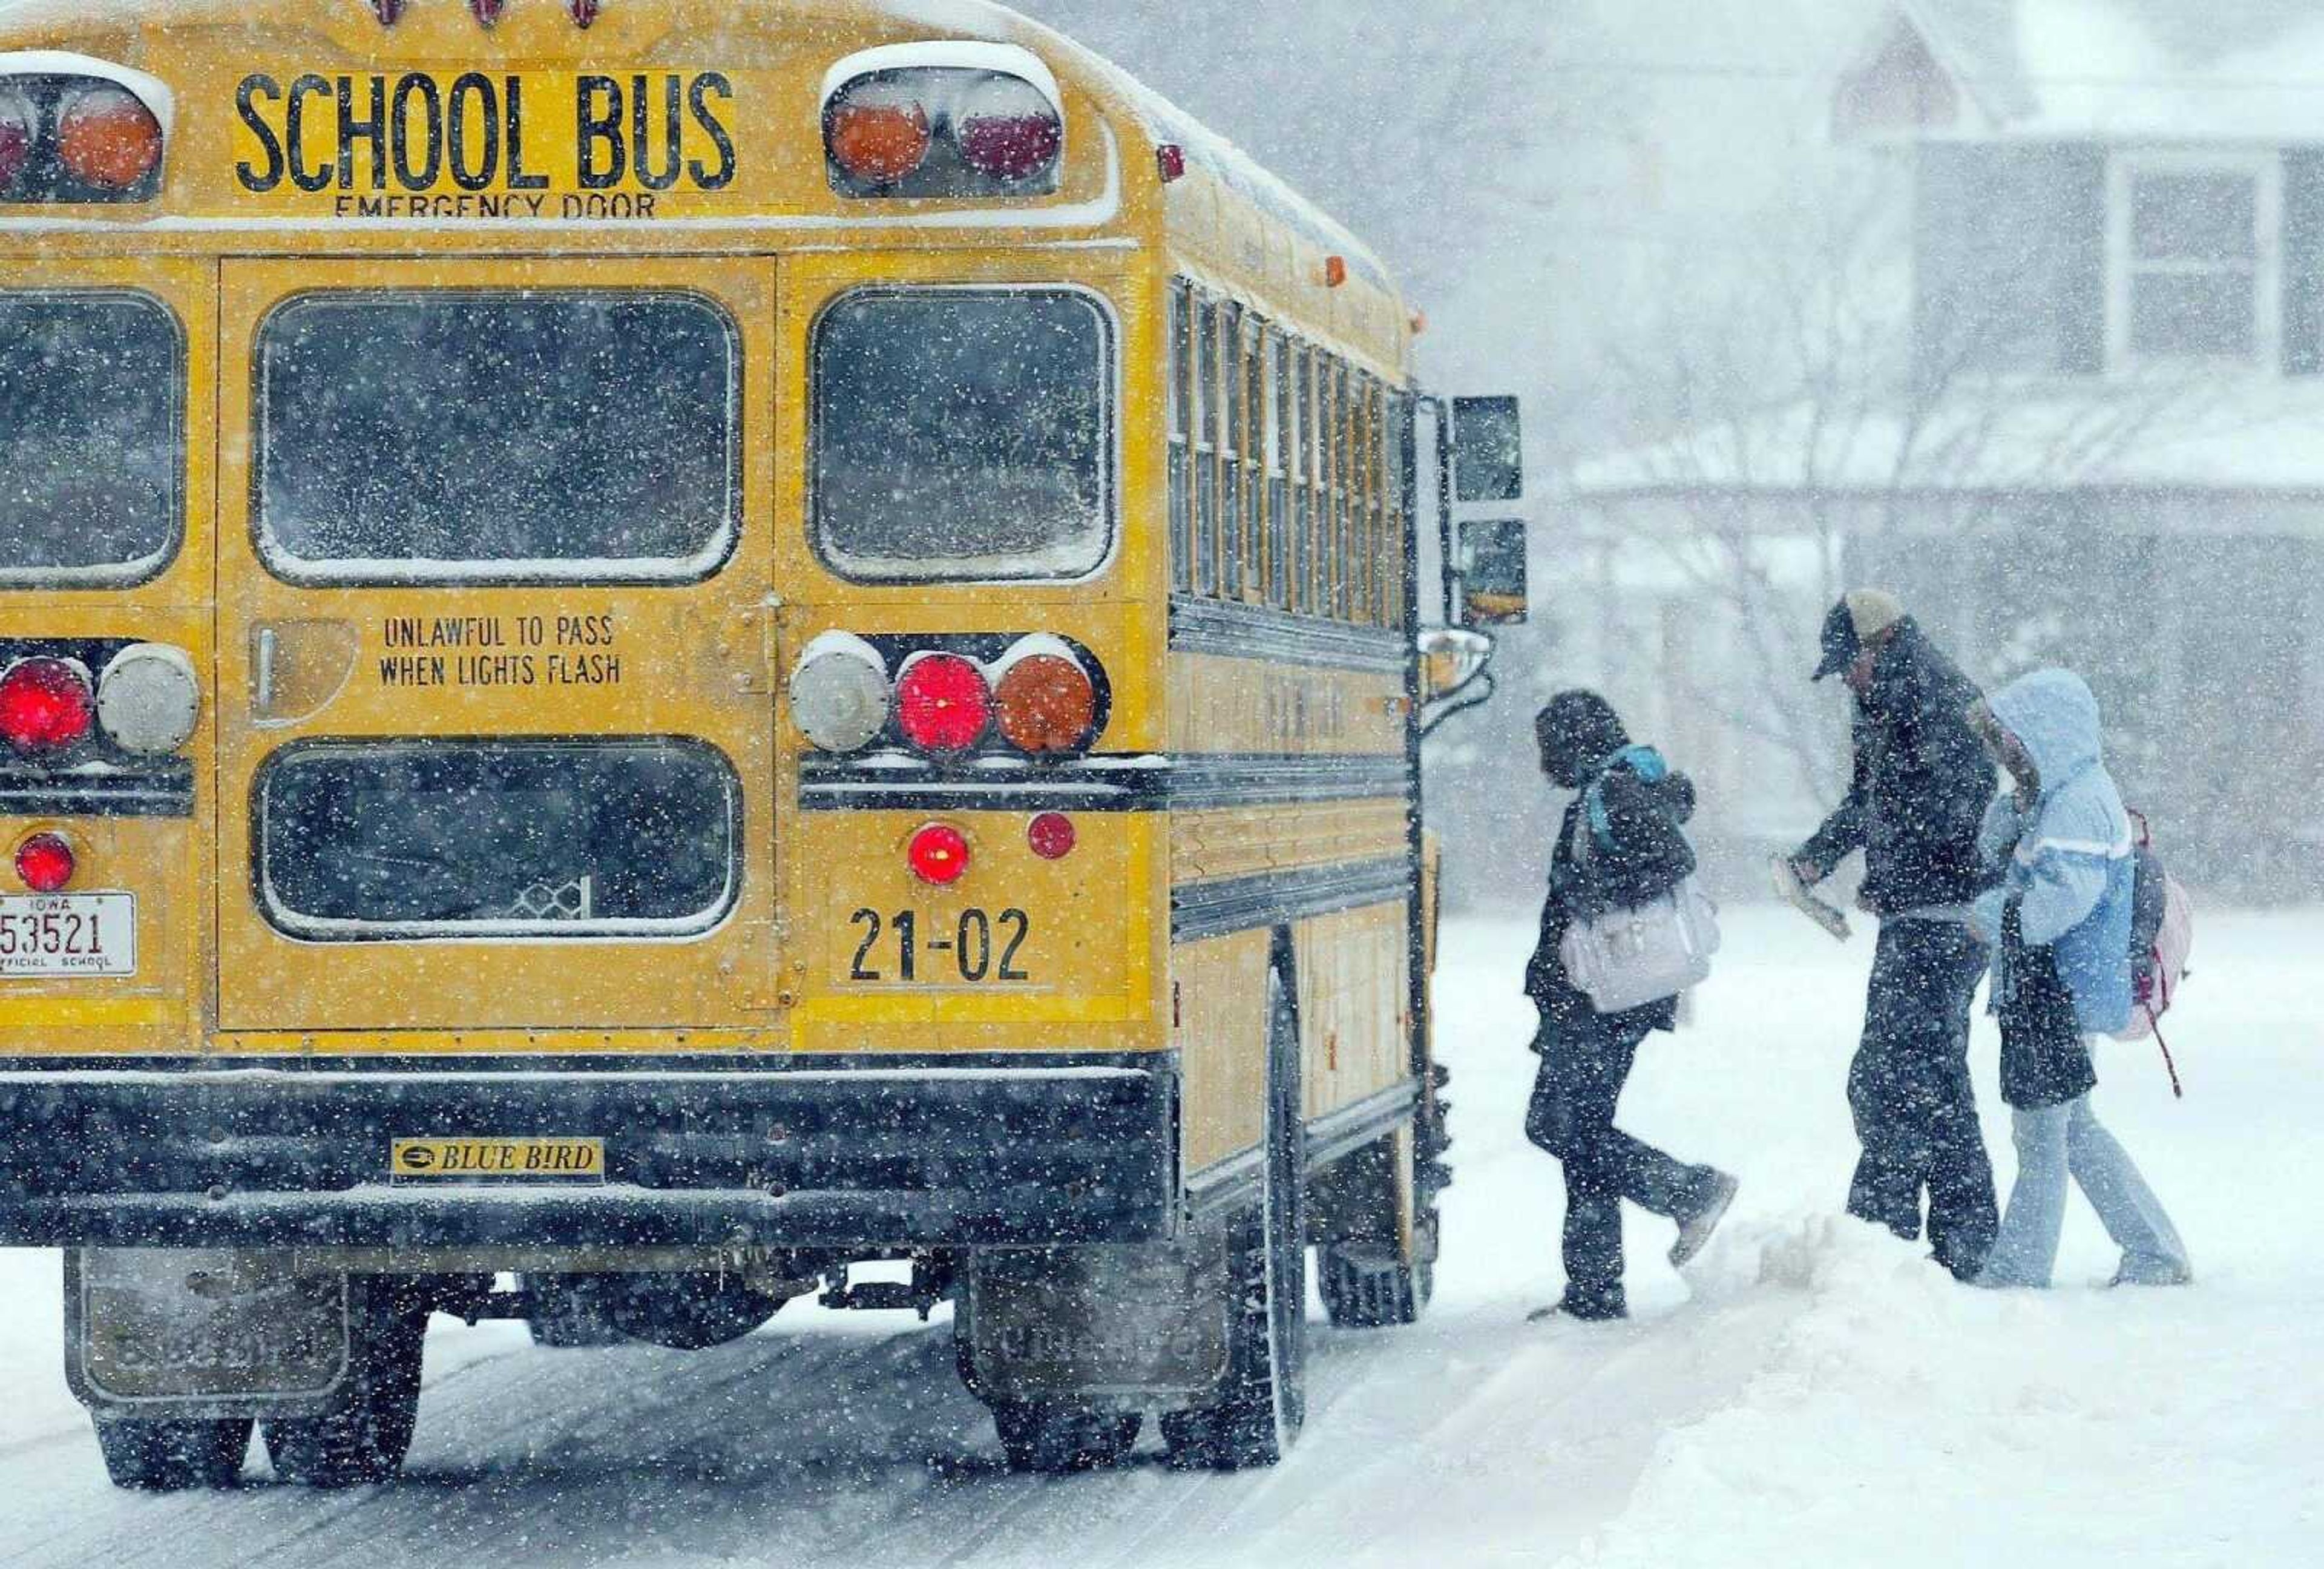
(1811, 1394)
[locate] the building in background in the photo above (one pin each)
(2049, 360)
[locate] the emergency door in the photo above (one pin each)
(495, 634)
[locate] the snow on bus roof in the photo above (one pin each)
(1162, 120)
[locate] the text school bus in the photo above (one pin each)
(650, 652)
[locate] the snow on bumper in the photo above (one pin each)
(992, 1154)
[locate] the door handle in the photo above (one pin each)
(265, 646)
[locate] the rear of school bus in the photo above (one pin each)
(583, 648)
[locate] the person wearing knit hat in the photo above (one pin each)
(1920, 783)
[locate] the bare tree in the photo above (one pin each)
(1808, 412)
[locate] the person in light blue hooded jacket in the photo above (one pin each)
(2060, 920)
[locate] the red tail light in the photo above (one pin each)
(943, 704)
(19, 127)
(939, 854)
(1051, 835)
(46, 862)
(45, 704)
(1009, 131)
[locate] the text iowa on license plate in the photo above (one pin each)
(457, 1159)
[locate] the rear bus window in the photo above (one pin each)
(964, 435)
(92, 438)
(504, 839)
(450, 437)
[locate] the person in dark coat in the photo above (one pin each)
(1586, 1056)
(1921, 779)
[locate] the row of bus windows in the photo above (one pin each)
(1290, 470)
(438, 435)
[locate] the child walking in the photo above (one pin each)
(1586, 1056)
(2060, 921)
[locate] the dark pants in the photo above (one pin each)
(1571, 1116)
(1909, 1088)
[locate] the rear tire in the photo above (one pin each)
(1052, 1439)
(1264, 1400)
(365, 1437)
(147, 1457)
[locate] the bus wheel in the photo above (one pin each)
(566, 1316)
(1059, 1438)
(147, 1457)
(1264, 1401)
(364, 1438)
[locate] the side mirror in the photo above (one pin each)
(1487, 450)
(1493, 572)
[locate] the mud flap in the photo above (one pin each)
(1121, 1325)
(175, 1333)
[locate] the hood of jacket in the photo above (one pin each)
(1579, 731)
(2055, 718)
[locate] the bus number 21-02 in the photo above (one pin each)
(982, 946)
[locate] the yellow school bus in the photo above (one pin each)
(651, 652)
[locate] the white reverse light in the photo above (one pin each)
(148, 700)
(840, 693)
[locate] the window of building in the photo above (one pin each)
(2196, 269)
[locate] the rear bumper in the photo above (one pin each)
(980, 1152)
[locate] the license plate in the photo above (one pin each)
(497, 1159)
(68, 934)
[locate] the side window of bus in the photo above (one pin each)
(1257, 421)
(1377, 500)
(1279, 455)
(1401, 479)
(1206, 446)
(460, 435)
(1233, 440)
(1319, 587)
(1342, 545)
(1180, 347)
(92, 438)
(963, 435)
(1302, 466)
(1365, 552)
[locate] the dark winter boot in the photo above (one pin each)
(1591, 1304)
(1694, 1230)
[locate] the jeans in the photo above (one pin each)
(2053, 1143)
(1909, 1090)
(1571, 1116)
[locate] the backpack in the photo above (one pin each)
(1627, 958)
(2162, 939)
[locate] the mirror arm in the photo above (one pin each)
(1473, 693)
